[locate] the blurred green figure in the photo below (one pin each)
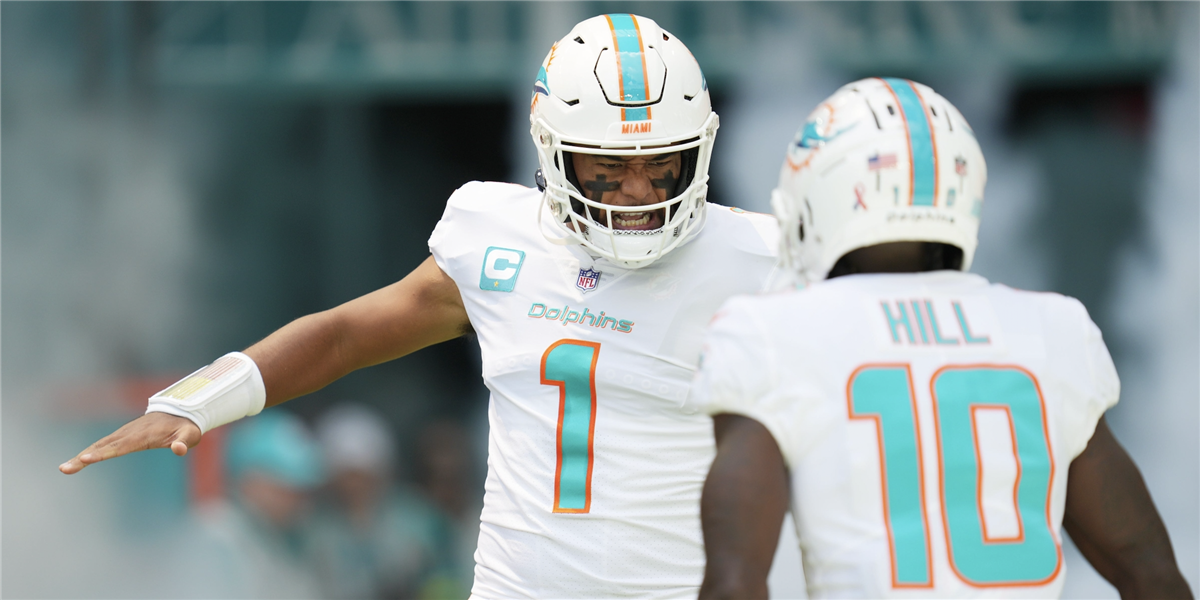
(255, 543)
(374, 537)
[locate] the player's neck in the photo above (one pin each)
(898, 257)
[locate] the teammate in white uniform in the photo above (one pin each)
(589, 299)
(936, 431)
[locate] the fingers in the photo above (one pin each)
(91, 454)
(72, 466)
(106, 448)
(153, 430)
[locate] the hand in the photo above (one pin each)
(149, 431)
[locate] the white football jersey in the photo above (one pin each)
(594, 467)
(928, 422)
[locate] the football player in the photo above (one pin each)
(936, 432)
(589, 298)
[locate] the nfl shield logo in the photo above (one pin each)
(588, 278)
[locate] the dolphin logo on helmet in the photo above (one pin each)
(810, 136)
(540, 86)
(895, 171)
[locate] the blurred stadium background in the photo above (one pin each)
(180, 179)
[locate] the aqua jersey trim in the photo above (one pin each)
(883, 393)
(1034, 557)
(571, 365)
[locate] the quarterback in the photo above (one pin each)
(589, 297)
(937, 432)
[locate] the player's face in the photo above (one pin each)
(628, 181)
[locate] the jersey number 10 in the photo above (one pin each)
(885, 394)
(571, 365)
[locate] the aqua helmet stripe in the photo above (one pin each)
(632, 63)
(922, 147)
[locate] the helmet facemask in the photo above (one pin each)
(618, 85)
(687, 171)
(590, 222)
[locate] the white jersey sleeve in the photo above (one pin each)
(731, 366)
(1080, 348)
(739, 374)
(469, 212)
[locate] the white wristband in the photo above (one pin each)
(223, 392)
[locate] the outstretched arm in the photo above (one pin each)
(742, 509)
(1113, 522)
(311, 352)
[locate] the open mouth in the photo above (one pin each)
(637, 221)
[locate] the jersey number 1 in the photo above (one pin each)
(571, 366)
(885, 394)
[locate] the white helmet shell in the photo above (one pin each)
(618, 85)
(879, 161)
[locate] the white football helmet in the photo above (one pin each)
(618, 85)
(881, 160)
